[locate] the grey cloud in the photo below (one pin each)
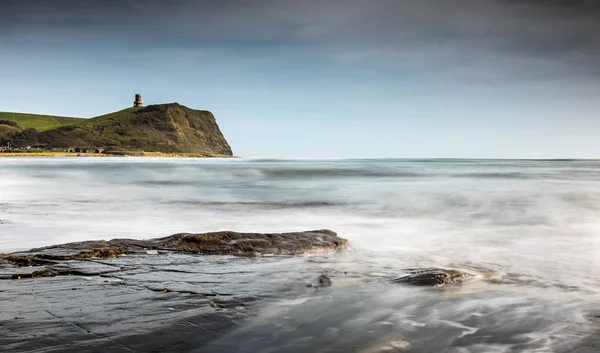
(486, 37)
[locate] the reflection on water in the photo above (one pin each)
(367, 319)
(527, 229)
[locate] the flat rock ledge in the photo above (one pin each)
(216, 243)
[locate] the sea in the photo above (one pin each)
(529, 230)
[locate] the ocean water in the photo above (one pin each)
(532, 227)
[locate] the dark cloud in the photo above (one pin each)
(486, 37)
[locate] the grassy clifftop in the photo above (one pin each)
(167, 128)
(38, 122)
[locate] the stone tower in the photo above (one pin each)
(138, 101)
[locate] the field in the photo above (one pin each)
(39, 122)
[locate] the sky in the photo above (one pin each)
(323, 78)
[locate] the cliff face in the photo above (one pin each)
(165, 128)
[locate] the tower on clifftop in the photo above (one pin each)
(138, 101)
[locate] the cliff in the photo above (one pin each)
(164, 128)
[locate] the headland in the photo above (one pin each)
(162, 130)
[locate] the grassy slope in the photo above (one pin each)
(167, 128)
(124, 117)
(39, 122)
(121, 125)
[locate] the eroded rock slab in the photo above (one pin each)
(160, 303)
(233, 243)
(66, 258)
(156, 295)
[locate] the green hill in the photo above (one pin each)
(38, 122)
(164, 128)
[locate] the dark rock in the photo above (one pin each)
(92, 298)
(171, 302)
(432, 277)
(35, 274)
(324, 280)
(54, 259)
(233, 243)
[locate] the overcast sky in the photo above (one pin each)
(323, 78)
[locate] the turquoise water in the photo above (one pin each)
(533, 224)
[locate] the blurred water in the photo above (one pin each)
(535, 222)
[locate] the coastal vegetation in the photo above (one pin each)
(37, 121)
(42, 153)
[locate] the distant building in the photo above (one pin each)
(138, 101)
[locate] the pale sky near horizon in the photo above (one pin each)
(326, 78)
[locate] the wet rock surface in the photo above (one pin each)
(147, 295)
(169, 302)
(433, 277)
(62, 259)
(324, 280)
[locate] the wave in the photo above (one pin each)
(165, 182)
(338, 173)
(277, 204)
(496, 175)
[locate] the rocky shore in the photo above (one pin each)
(155, 295)
(65, 259)
(207, 293)
(143, 295)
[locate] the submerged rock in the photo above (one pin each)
(324, 280)
(434, 277)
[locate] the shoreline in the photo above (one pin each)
(111, 155)
(153, 295)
